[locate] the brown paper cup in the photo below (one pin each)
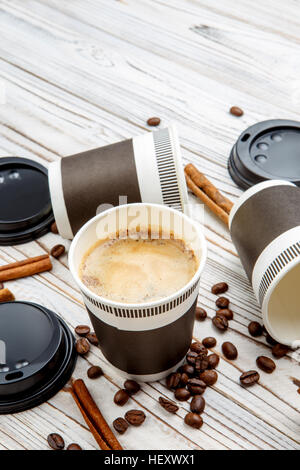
(147, 168)
(145, 341)
(265, 228)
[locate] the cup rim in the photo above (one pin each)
(143, 305)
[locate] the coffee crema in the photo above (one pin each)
(137, 270)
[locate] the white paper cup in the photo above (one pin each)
(145, 341)
(265, 228)
(146, 168)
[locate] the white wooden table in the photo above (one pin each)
(84, 73)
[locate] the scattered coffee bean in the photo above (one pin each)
(209, 377)
(255, 329)
(191, 357)
(132, 387)
(249, 378)
(153, 121)
(200, 314)
(270, 340)
(229, 351)
(220, 322)
(1, 285)
(219, 288)
(82, 346)
(196, 386)
(201, 364)
(135, 417)
(74, 447)
(55, 441)
(57, 251)
(209, 342)
(213, 361)
(225, 312)
(198, 348)
(236, 111)
(120, 425)
(184, 379)
(193, 420)
(53, 228)
(298, 391)
(82, 330)
(197, 404)
(168, 405)
(94, 372)
(187, 369)
(92, 338)
(173, 380)
(182, 394)
(296, 381)
(266, 364)
(280, 350)
(121, 397)
(222, 302)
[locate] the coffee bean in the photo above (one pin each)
(209, 377)
(209, 342)
(121, 397)
(220, 322)
(53, 228)
(270, 340)
(82, 330)
(56, 442)
(225, 312)
(298, 391)
(219, 288)
(201, 364)
(280, 350)
(187, 369)
(82, 346)
(173, 380)
(193, 420)
(182, 394)
(92, 338)
(197, 404)
(94, 372)
(213, 361)
(168, 405)
(255, 329)
(200, 314)
(196, 386)
(222, 302)
(1, 285)
(154, 121)
(74, 447)
(229, 351)
(236, 111)
(120, 425)
(135, 417)
(132, 387)
(57, 251)
(249, 378)
(184, 379)
(191, 357)
(198, 348)
(266, 364)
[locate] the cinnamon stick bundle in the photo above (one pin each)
(207, 193)
(93, 417)
(25, 268)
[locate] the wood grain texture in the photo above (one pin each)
(83, 74)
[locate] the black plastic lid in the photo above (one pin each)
(268, 150)
(25, 209)
(37, 355)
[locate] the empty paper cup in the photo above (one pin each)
(265, 228)
(147, 168)
(145, 341)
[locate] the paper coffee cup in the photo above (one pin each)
(147, 168)
(265, 228)
(145, 341)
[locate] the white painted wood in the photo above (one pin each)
(83, 74)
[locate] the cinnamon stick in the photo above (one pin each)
(218, 211)
(25, 268)
(6, 295)
(95, 415)
(209, 189)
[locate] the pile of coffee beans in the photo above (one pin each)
(56, 442)
(86, 338)
(133, 417)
